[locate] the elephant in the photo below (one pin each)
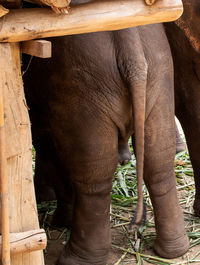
(90, 97)
(184, 39)
(180, 145)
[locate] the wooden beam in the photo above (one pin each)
(26, 241)
(37, 48)
(26, 24)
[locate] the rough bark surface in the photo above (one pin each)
(22, 205)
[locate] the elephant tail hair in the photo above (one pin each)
(143, 220)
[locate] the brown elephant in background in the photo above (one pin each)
(85, 98)
(184, 39)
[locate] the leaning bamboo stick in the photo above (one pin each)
(4, 188)
(26, 24)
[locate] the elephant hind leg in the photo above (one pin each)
(90, 237)
(171, 240)
(91, 170)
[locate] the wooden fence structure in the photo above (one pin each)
(21, 240)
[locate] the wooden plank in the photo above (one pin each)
(27, 24)
(37, 48)
(22, 204)
(26, 241)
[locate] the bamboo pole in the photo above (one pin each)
(4, 188)
(26, 24)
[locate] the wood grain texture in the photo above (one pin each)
(5, 248)
(27, 24)
(37, 48)
(26, 241)
(21, 197)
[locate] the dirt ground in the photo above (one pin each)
(117, 256)
(122, 251)
(123, 240)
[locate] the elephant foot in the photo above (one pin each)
(172, 248)
(67, 257)
(196, 207)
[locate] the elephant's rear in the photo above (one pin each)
(87, 97)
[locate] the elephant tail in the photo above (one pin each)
(138, 94)
(133, 68)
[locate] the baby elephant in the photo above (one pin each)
(93, 94)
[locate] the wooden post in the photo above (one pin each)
(5, 257)
(26, 24)
(22, 204)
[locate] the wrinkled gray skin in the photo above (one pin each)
(83, 99)
(184, 38)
